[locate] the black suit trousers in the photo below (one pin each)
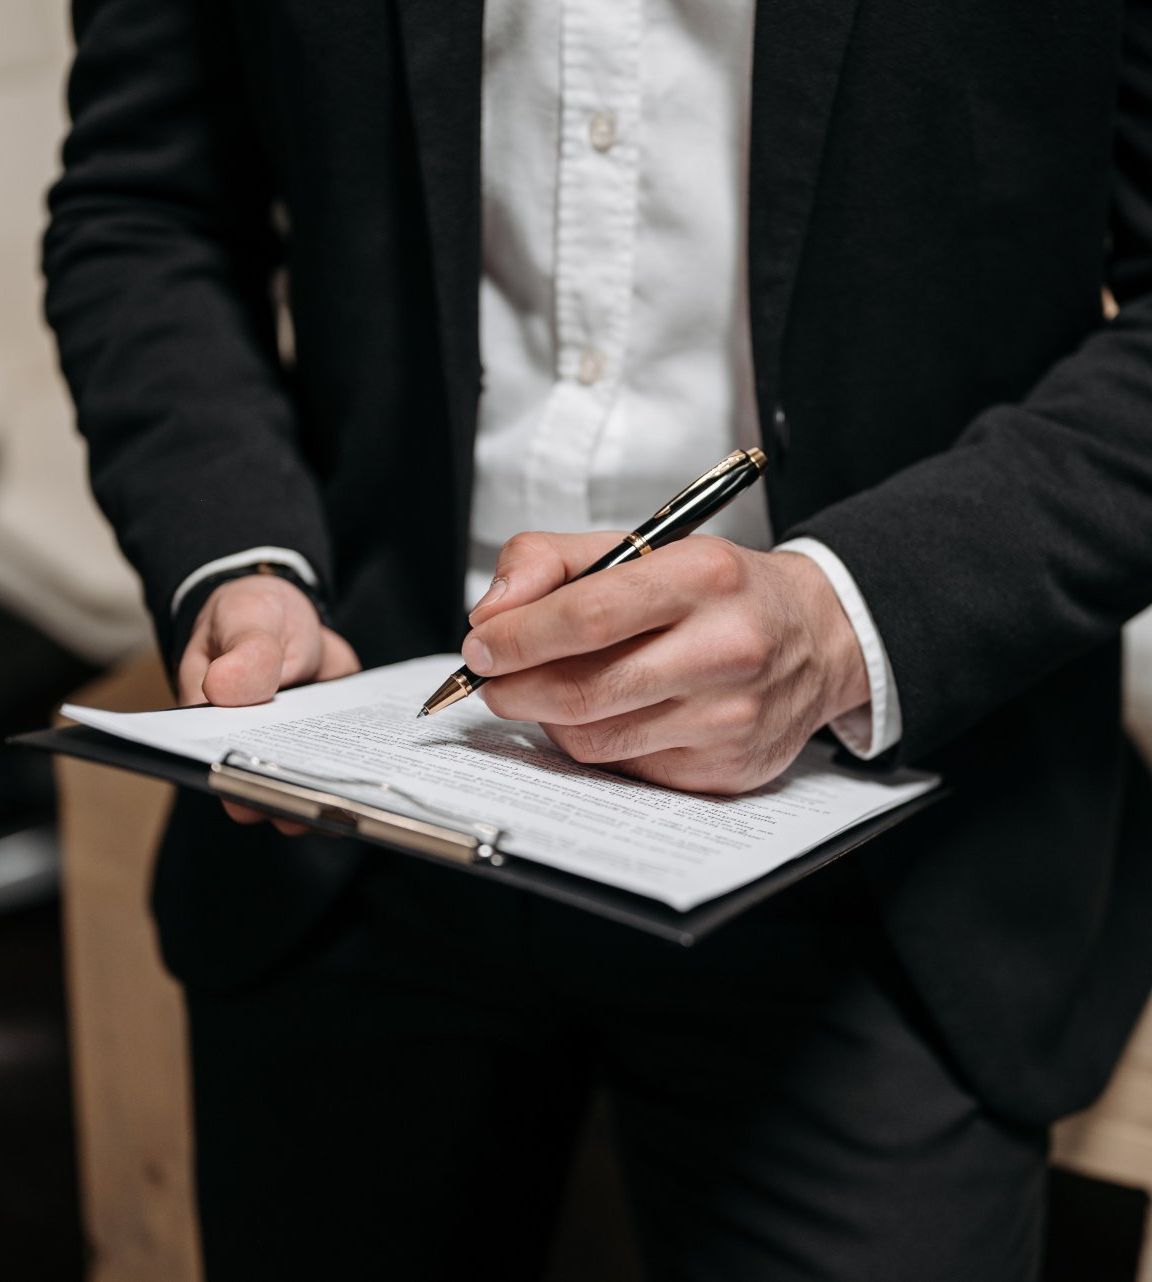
(400, 1099)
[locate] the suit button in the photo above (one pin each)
(781, 430)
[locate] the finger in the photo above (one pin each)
(191, 673)
(243, 814)
(247, 672)
(289, 827)
(337, 658)
(581, 618)
(719, 769)
(246, 815)
(654, 729)
(532, 565)
(620, 679)
(690, 770)
(316, 653)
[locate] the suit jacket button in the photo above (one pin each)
(781, 430)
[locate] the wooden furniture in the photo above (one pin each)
(129, 1057)
(1113, 1139)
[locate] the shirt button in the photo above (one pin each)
(602, 130)
(591, 368)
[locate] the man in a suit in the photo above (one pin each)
(544, 263)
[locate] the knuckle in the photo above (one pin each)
(530, 546)
(592, 619)
(738, 716)
(720, 564)
(520, 544)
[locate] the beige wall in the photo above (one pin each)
(58, 562)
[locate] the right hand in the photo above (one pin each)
(256, 635)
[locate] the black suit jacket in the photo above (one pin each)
(939, 192)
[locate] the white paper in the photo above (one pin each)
(679, 848)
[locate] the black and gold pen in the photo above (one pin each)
(682, 514)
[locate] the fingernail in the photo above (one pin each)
(497, 589)
(476, 655)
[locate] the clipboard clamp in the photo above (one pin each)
(308, 795)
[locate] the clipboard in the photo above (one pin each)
(471, 848)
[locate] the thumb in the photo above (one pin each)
(190, 675)
(247, 671)
(534, 564)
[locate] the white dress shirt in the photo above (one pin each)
(613, 309)
(614, 322)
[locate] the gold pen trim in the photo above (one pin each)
(457, 687)
(639, 542)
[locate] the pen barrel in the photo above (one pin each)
(695, 505)
(619, 555)
(684, 513)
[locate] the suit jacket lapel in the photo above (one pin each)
(443, 50)
(798, 52)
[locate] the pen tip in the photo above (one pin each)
(422, 713)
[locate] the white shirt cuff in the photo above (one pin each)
(874, 727)
(238, 560)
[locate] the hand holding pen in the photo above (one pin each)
(683, 513)
(703, 666)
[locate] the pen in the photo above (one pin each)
(681, 515)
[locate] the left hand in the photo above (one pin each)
(255, 635)
(704, 666)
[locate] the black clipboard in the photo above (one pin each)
(467, 848)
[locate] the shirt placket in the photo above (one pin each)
(597, 185)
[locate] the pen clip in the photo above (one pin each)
(727, 464)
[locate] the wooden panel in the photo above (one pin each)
(1113, 1139)
(127, 1025)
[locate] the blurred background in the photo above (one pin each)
(93, 1107)
(69, 609)
(68, 605)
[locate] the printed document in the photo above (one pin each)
(360, 736)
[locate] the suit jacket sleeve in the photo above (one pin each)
(159, 257)
(1030, 542)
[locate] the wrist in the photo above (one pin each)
(267, 587)
(832, 638)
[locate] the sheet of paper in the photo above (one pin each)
(679, 848)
